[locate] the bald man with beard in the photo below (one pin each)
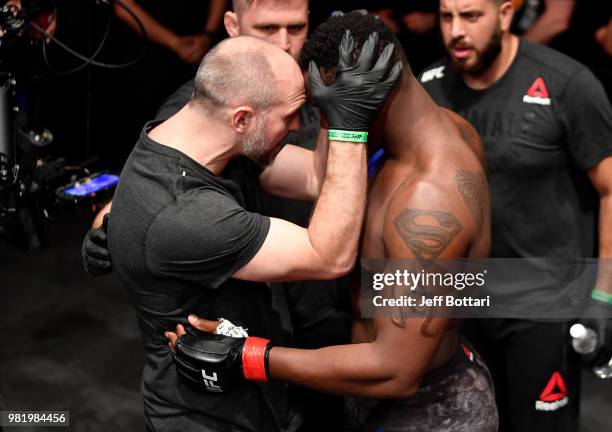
(186, 238)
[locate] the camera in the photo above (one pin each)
(32, 183)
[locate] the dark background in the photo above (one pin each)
(70, 341)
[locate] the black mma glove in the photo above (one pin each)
(359, 91)
(94, 251)
(217, 361)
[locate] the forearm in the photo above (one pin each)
(355, 370)
(605, 226)
(156, 32)
(216, 9)
(604, 276)
(336, 221)
(320, 158)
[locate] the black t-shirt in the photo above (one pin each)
(177, 234)
(544, 123)
(312, 306)
(309, 301)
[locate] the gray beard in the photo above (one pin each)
(254, 146)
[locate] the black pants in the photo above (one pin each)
(535, 370)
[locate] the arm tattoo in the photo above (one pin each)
(468, 133)
(472, 185)
(427, 233)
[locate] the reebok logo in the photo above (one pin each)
(435, 73)
(469, 354)
(554, 395)
(537, 93)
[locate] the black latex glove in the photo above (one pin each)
(359, 91)
(94, 253)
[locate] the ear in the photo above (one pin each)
(506, 12)
(230, 20)
(242, 117)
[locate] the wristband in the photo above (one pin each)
(601, 296)
(254, 355)
(344, 135)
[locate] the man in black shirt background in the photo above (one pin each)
(547, 127)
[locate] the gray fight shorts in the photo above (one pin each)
(457, 397)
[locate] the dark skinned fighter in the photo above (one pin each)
(428, 199)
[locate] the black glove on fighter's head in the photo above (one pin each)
(217, 361)
(359, 91)
(94, 253)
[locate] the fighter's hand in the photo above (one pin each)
(94, 251)
(359, 91)
(196, 322)
(206, 356)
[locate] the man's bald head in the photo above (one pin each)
(237, 71)
(240, 5)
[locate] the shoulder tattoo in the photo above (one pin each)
(468, 132)
(427, 233)
(472, 186)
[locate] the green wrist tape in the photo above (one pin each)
(601, 296)
(343, 135)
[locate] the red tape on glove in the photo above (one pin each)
(253, 359)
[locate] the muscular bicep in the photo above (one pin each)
(426, 222)
(601, 176)
(286, 254)
(423, 222)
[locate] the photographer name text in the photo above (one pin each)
(435, 301)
